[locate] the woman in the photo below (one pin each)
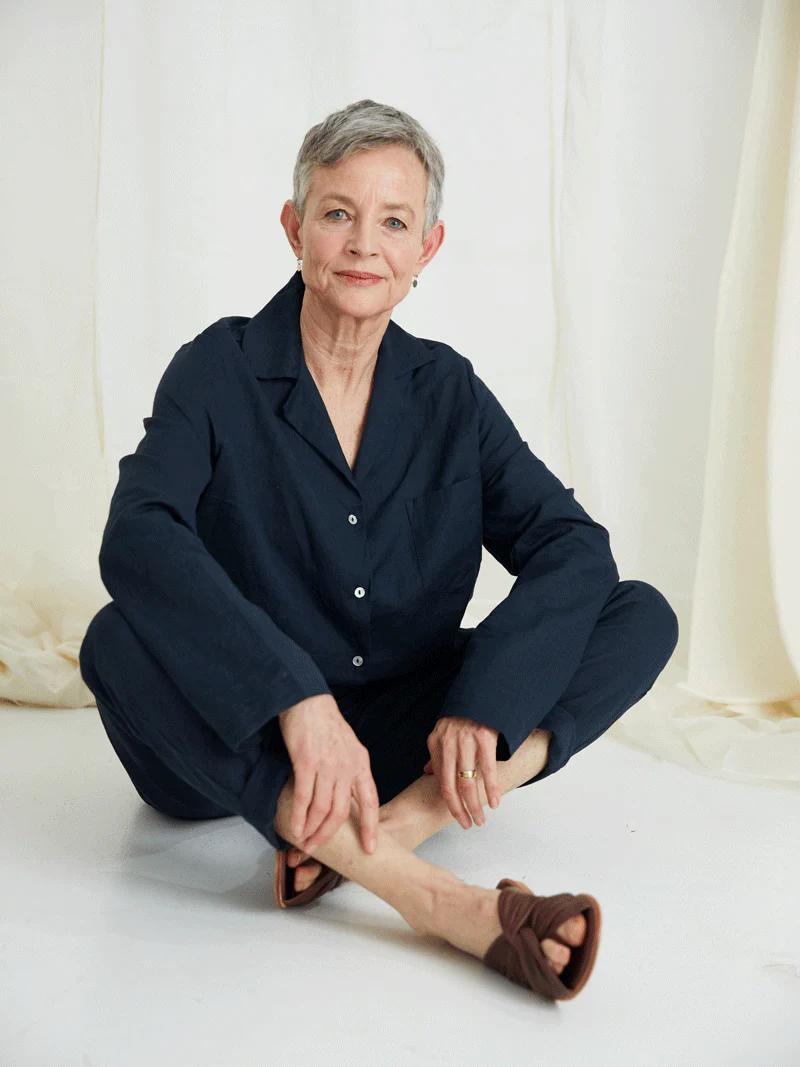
(290, 551)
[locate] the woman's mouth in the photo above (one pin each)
(355, 277)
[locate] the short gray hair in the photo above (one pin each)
(366, 124)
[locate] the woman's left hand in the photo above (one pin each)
(457, 743)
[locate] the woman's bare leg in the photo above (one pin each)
(431, 899)
(421, 811)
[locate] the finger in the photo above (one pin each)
(435, 761)
(303, 791)
(468, 787)
(488, 765)
(435, 749)
(320, 806)
(339, 811)
(452, 796)
(368, 805)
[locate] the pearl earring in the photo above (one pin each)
(299, 264)
(414, 283)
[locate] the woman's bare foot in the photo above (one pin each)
(467, 917)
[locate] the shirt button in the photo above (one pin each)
(352, 519)
(359, 590)
(357, 661)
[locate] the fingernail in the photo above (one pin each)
(372, 844)
(494, 802)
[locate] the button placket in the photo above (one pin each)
(359, 591)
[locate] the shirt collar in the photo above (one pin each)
(273, 344)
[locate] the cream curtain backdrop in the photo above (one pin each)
(737, 713)
(621, 213)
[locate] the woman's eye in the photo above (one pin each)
(394, 218)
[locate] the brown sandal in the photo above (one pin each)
(326, 880)
(526, 920)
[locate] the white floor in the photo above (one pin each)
(130, 939)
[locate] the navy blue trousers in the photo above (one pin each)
(180, 767)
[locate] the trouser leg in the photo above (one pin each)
(175, 761)
(631, 644)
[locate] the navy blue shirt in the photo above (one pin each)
(259, 569)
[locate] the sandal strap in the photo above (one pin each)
(527, 919)
(559, 908)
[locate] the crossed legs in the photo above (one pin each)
(431, 899)
(420, 810)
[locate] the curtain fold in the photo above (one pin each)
(737, 712)
(53, 480)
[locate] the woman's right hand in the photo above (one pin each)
(331, 769)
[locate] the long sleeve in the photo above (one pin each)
(222, 651)
(521, 657)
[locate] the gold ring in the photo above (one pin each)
(468, 774)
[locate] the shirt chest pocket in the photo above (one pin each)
(447, 534)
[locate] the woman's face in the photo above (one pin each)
(366, 214)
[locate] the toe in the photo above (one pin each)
(305, 874)
(556, 953)
(573, 930)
